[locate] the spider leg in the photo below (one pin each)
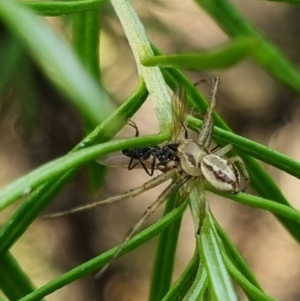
(188, 180)
(222, 151)
(129, 194)
(151, 209)
(203, 80)
(214, 149)
(205, 134)
(203, 204)
(241, 164)
(184, 128)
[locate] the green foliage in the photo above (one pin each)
(214, 59)
(74, 72)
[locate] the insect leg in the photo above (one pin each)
(133, 164)
(151, 171)
(160, 200)
(133, 124)
(130, 164)
(153, 164)
(144, 156)
(129, 194)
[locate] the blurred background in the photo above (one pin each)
(38, 125)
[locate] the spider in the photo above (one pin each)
(193, 161)
(155, 157)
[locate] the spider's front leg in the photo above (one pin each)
(205, 133)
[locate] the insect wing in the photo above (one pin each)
(179, 114)
(119, 160)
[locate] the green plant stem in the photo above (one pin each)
(165, 256)
(58, 167)
(41, 197)
(86, 40)
(94, 264)
(86, 43)
(219, 58)
(198, 288)
(13, 281)
(230, 20)
(12, 52)
(235, 256)
(182, 285)
(141, 47)
(248, 287)
(56, 60)
(59, 8)
(211, 251)
(238, 268)
(259, 202)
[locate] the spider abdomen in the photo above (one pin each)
(220, 173)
